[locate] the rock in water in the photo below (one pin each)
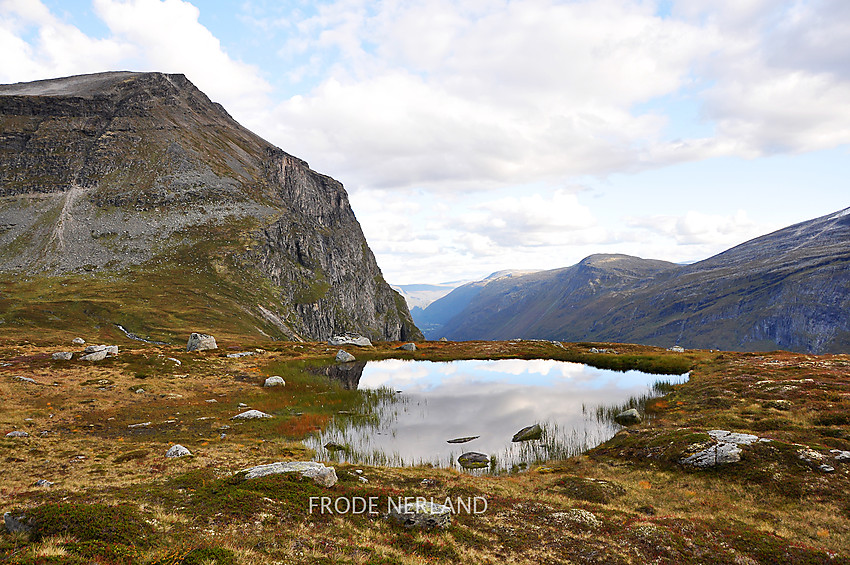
(473, 460)
(528, 433)
(422, 514)
(119, 171)
(201, 342)
(325, 476)
(343, 356)
(629, 417)
(274, 381)
(177, 450)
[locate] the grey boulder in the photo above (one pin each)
(629, 417)
(324, 476)
(422, 514)
(274, 381)
(201, 342)
(357, 340)
(528, 433)
(473, 460)
(251, 415)
(63, 356)
(15, 524)
(408, 347)
(177, 450)
(343, 356)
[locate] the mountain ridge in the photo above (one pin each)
(783, 290)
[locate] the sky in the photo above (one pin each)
(479, 135)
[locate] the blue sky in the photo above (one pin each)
(484, 135)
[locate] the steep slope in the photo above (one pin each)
(564, 301)
(131, 198)
(786, 290)
(432, 318)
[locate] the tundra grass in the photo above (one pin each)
(629, 500)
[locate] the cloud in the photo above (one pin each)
(37, 45)
(166, 36)
(696, 228)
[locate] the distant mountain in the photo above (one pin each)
(431, 318)
(131, 198)
(786, 290)
(422, 295)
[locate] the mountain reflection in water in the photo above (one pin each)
(440, 401)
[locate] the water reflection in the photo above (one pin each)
(441, 401)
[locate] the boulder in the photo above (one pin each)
(343, 356)
(78, 341)
(725, 451)
(357, 340)
(99, 355)
(528, 433)
(408, 347)
(63, 356)
(422, 514)
(201, 342)
(17, 433)
(473, 460)
(112, 349)
(444, 339)
(95, 348)
(251, 415)
(177, 450)
(274, 381)
(462, 439)
(15, 524)
(628, 418)
(43, 483)
(25, 379)
(324, 476)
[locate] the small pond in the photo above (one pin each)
(418, 406)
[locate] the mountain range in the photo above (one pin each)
(786, 290)
(131, 199)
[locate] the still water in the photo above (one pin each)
(417, 406)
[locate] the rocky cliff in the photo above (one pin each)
(786, 290)
(131, 198)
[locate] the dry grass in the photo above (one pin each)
(665, 513)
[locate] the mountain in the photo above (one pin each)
(786, 290)
(130, 198)
(421, 295)
(432, 318)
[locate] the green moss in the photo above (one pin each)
(121, 524)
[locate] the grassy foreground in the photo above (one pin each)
(117, 499)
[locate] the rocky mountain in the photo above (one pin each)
(131, 198)
(432, 317)
(786, 290)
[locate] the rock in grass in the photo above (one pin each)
(63, 356)
(473, 460)
(408, 347)
(324, 476)
(628, 418)
(201, 342)
(251, 415)
(274, 381)
(15, 524)
(99, 355)
(25, 379)
(43, 483)
(422, 514)
(528, 433)
(177, 450)
(357, 340)
(17, 433)
(78, 341)
(344, 357)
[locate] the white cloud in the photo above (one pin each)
(166, 36)
(37, 45)
(697, 229)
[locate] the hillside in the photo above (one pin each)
(131, 198)
(786, 290)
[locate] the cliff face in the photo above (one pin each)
(786, 290)
(138, 183)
